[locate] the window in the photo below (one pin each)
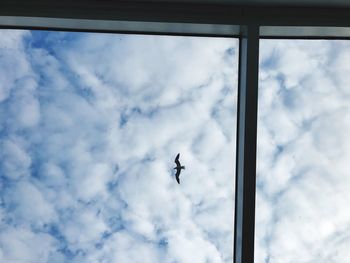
(90, 126)
(303, 151)
(250, 22)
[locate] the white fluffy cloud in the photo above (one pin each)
(22, 245)
(90, 127)
(303, 152)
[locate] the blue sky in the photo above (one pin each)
(90, 125)
(303, 182)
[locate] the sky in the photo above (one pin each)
(90, 125)
(303, 180)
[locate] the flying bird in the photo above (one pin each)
(178, 168)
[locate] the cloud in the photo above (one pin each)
(303, 151)
(90, 126)
(15, 160)
(22, 245)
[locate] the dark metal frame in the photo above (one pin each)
(246, 144)
(249, 23)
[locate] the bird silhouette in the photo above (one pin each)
(178, 168)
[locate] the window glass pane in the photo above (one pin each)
(90, 125)
(303, 180)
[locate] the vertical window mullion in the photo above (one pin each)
(246, 144)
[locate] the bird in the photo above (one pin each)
(178, 168)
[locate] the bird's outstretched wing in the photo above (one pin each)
(177, 176)
(177, 160)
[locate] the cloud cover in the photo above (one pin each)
(89, 128)
(303, 177)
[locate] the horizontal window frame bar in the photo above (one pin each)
(113, 26)
(180, 12)
(166, 28)
(198, 19)
(304, 32)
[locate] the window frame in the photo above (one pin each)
(248, 23)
